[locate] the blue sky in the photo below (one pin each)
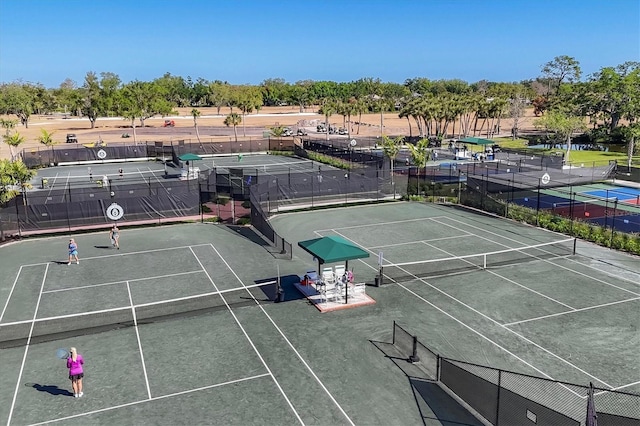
(248, 41)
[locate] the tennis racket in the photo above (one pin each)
(62, 353)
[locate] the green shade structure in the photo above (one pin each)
(333, 249)
(189, 157)
(476, 141)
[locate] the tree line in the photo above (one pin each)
(606, 103)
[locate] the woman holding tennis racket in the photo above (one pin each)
(76, 373)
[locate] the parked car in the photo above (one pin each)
(71, 138)
(301, 132)
(287, 132)
(342, 131)
(169, 123)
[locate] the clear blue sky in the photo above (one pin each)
(248, 41)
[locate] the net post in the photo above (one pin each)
(393, 337)
(484, 261)
(414, 350)
(575, 243)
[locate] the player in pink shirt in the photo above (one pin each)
(74, 364)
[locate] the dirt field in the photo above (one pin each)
(210, 126)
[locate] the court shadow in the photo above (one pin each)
(60, 262)
(248, 233)
(103, 247)
(50, 389)
(286, 283)
(432, 401)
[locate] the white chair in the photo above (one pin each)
(358, 291)
(328, 276)
(329, 292)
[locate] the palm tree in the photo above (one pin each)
(420, 155)
(196, 113)
(327, 109)
(13, 140)
(391, 148)
(233, 119)
(46, 138)
(8, 125)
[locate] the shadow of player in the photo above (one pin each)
(50, 389)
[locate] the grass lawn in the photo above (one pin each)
(576, 156)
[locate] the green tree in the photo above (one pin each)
(219, 95)
(420, 154)
(247, 98)
(328, 108)
(560, 69)
(14, 177)
(195, 113)
(13, 140)
(46, 138)
(562, 126)
(391, 148)
(233, 119)
(18, 99)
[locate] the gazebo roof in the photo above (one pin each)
(477, 141)
(332, 249)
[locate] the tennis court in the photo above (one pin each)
(245, 360)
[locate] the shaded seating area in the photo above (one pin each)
(328, 286)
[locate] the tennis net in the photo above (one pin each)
(407, 271)
(48, 329)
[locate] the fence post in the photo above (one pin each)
(498, 398)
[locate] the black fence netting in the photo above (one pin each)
(170, 150)
(508, 398)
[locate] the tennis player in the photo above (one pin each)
(114, 234)
(76, 373)
(73, 251)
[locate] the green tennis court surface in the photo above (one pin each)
(171, 335)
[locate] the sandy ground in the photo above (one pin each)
(211, 126)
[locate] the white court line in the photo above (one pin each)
(307, 366)
(127, 253)
(135, 325)
(513, 332)
(142, 401)
(544, 260)
(626, 386)
(120, 282)
(422, 241)
(377, 224)
(264, 363)
(4, 309)
(571, 312)
(51, 186)
(508, 280)
(26, 347)
(496, 323)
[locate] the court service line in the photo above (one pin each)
(381, 223)
(13, 286)
(307, 366)
(142, 401)
(127, 253)
(120, 282)
(264, 363)
(135, 325)
(571, 312)
(423, 241)
(547, 261)
(509, 280)
(53, 184)
(26, 347)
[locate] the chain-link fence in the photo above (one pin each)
(508, 398)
